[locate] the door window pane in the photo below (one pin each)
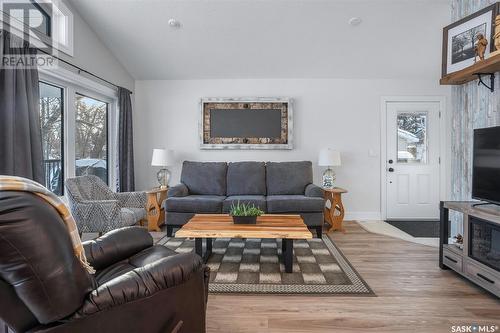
(91, 136)
(51, 114)
(412, 137)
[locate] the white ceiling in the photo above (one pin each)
(271, 38)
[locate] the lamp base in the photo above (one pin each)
(163, 177)
(329, 178)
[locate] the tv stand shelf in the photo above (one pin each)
(460, 260)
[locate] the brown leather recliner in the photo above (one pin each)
(138, 286)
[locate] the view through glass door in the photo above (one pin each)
(412, 166)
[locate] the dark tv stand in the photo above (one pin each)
(482, 204)
(452, 257)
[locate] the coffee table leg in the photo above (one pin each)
(288, 254)
(209, 248)
(198, 246)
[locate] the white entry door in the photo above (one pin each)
(413, 157)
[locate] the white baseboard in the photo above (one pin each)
(370, 216)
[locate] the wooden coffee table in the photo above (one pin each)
(210, 226)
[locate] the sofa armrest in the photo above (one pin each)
(314, 191)
(132, 199)
(116, 245)
(179, 190)
(142, 282)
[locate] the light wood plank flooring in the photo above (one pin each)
(413, 295)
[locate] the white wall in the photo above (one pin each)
(339, 113)
(91, 54)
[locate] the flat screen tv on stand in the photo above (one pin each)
(486, 165)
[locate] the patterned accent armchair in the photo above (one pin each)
(98, 209)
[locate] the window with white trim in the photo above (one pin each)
(49, 23)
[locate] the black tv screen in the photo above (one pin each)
(486, 165)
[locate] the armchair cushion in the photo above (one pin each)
(204, 177)
(130, 216)
(288, 177)
(146, 256)
(179, 190)
(294, 203)
(116, 246)
(314, 191)
(142, 282)
(195, 204)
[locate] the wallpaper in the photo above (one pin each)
(473, 106)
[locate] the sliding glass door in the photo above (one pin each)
(76, 133)
(91, 137)
(51, 122)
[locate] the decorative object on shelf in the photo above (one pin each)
(329, 158)
(496, 36)
(154, 210)
(162, 158)
(245, 213)
(480, 47)
(334, 214)
(459, 39)
(458, 240)
(246, 123)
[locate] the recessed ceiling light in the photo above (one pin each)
(355, 21)
(173, 23)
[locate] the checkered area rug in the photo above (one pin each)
(255, 266)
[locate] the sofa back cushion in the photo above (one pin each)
(204, 177)
(288, 177)
(246, 178)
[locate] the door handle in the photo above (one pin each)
(391, 170)
(391, 161)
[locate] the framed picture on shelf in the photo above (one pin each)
(459, 39)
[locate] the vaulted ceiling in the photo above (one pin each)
(271, 38)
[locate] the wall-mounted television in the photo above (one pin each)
(486, 165)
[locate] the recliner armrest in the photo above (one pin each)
(179, 190)
(116, 245)
(314, 191)
(142, 282)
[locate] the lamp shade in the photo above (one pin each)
(329, 157)
(162, 157)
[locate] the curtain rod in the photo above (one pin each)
(82, 70)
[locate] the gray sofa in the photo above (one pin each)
(276, 188)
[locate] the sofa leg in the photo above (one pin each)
(170, 229)
(319, 231)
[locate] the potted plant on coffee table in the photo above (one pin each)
(245, 213)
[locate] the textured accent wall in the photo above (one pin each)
(473, 106)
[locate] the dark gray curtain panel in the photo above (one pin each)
(20, 132)
(125, 142)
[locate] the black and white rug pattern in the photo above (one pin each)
(255, 266)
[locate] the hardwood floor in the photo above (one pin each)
(413, 295)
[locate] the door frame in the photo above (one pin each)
(383, 143)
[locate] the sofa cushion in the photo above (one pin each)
(288, 177)
(204, 177)
(195, 204)
(246, 178)
(294, 204)
(258, 201)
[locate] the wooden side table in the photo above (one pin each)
(335, 214)
(154, 212)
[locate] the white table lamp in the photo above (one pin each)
(163, 158)
(329, 158)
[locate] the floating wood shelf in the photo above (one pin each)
(487, 66)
